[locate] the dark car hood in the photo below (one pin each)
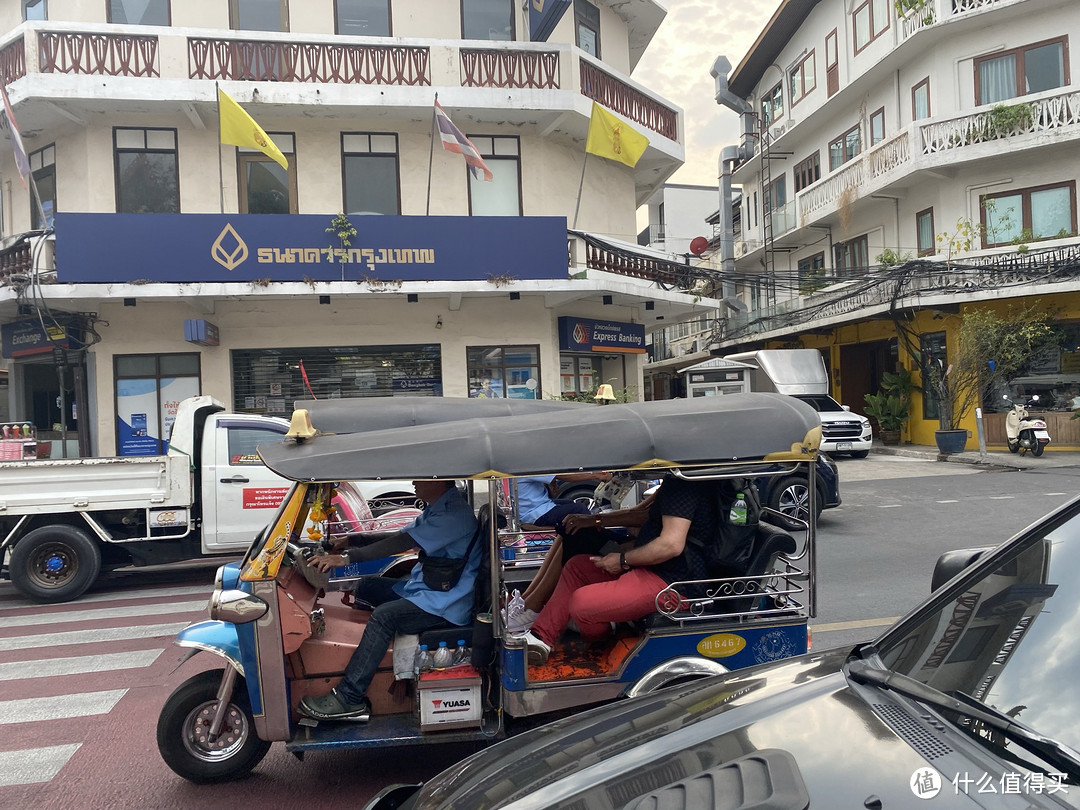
(844, 752)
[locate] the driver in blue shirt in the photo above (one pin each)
(444, 529)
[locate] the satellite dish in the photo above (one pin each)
(699, 245)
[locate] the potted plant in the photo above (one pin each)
(890, 411)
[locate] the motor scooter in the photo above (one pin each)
(1023, 431)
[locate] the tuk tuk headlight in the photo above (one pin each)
(237, 607)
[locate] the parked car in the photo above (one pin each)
(842, 430)
(789, 494)
(969, 700)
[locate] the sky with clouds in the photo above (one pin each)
(676, 65)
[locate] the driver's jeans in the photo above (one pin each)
(392, 615)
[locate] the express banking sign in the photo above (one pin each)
(588, 335)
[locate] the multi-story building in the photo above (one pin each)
(153, 262)
(901, 164)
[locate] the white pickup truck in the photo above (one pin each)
(62, 521)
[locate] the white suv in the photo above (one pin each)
(841, 430)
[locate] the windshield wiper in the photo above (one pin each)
(1051, 750)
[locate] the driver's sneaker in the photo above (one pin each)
(335, 706)
(538, 651)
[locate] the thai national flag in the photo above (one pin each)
(454, 140)
(22, 162)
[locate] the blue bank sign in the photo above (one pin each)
(110, 248)
(588, 335)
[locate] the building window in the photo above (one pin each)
(1032, 69)
(920, 100)
(43, 168)
(807, 172)
(370, 169)
(363, 18)
(844, 148)
(34, 10)
(932, 348)
(147, 176)
(487, 19)
(803, 78)
(139, 12)
(259, 15)
(877, 126)
(148, 386)
(772, 107)
(1029, 214)
(832, 64)
(504, 371)
(924, 232)
(776, 194)
(870, 20)
(587, 22)
(500, 196)
(265, 187)
(811, 274)
(852, 258)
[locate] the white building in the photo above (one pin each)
(183, 266)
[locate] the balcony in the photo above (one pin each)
(935, 12)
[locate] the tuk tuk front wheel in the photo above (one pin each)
(183, 732)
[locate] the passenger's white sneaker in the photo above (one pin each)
(521, 623)
(538, 650)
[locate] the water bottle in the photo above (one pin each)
(423, 660)
(738, 510)
(444, 657)
(463, 654)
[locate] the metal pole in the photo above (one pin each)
(980, 431)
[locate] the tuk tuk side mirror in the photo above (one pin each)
(952, 563)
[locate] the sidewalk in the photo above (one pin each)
(993, 458)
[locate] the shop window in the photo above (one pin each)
(844, 148)
(259, 15)
(1029, 214)
(578, 376)
(807, 171)
(1031, 69)
(139, 12)
(803, 79)
(500, 196)
(268, 381)
(504, 371)
(932, 349)
(877, 126)
(35, 10)
(772, 107)
(852, 258)
(487, 19)
(811, 274)
(370, 168)
(265, 187)
(363, 18)
(148, 389)
(870, 21)
(147, 176)
(920, 100)
(43, 190)
(832, 64)
(924, 232)
(587, 22)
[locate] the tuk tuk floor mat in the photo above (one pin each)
(576, 658)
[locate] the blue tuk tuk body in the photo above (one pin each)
(282, 636)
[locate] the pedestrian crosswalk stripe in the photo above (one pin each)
(29, 710)
(144, 593)
(90, 636)
(34, 765)
(77, 665)
(128, 611)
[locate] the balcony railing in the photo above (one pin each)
(513, 69)
(664, 273)
(97, 54)
(627, 101)
(326, 63)
(935, 11)
(13, 61)
(1049, 113)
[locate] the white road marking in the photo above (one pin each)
(949, 501)
(199, 590)
(69, 616)
(889, 505)
(853, 625)
(77, 665)
(30, 710)
(34, 765)
(90, 636)
(997, 497)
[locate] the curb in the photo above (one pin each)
(998, 460)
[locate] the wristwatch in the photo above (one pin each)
(623, 564)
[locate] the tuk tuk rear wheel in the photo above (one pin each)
(185, 720)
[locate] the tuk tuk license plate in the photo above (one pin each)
(843, 445)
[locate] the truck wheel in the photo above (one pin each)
(183, 725)
(55, 563)
(791, 498)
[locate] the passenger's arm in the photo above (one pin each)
(634, 517)
(665, 546)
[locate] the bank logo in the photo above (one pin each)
(581, 333)
(925, 783)
(229, 250)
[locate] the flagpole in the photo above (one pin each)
(220, 156)
(431, 156)
(581, 185)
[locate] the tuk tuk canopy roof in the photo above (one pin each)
(705, 431)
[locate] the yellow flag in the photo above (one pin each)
(610, 138)
(239, 129)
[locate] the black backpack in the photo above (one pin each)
(729, 549)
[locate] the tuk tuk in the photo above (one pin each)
(281, 637)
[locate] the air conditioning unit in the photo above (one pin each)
(777, 131)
